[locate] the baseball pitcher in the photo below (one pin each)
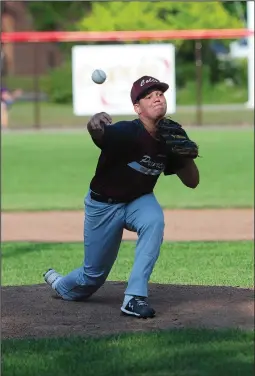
(120, 196)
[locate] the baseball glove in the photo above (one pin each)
(176, 140)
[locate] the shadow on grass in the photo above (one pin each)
(179, 352)
(11, 249)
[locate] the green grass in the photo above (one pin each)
(23, 115)
(42, 171)
(193, 263)
(171, 353)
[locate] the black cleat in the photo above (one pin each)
(138, 307)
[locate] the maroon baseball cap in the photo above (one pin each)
(143, 85)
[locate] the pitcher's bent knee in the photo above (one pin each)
(80, 293)
(84, 287)
(155, 223)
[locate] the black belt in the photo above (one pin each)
(107, 200)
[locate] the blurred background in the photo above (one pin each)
(211, 74)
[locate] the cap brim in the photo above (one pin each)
(162, 86)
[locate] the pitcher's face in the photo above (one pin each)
(153, 106)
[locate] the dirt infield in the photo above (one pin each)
(61, 226)
(33, 311)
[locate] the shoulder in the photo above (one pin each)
(127, 127)
(133, 126)
(122, 124)
(120, 134)
(128, 124)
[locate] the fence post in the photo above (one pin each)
(199, 81)
(37, 119)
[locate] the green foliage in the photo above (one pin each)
(237, 9)
(184, 73)
(58, 84)
(225, 72)
(224, 92)
(157, 16)
(56, 15)
(236, 70)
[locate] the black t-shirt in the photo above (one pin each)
(130, 162)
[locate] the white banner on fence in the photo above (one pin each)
(123, 65)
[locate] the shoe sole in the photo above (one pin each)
(137, 315)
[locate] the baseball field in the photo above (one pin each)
(202, 287)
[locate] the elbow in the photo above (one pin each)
(193, 183)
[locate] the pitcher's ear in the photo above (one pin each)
(137, 108)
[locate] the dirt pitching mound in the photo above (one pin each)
(32, 311)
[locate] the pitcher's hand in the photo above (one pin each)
(97, 123)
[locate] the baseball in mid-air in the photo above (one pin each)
(98, 76)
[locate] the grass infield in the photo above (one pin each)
(192, 263)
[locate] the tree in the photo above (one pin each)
(56, 15)
(106, 16)
(237, 9)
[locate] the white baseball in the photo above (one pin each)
(98, 76)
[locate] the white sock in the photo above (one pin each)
(127, 298)
(55, 283)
